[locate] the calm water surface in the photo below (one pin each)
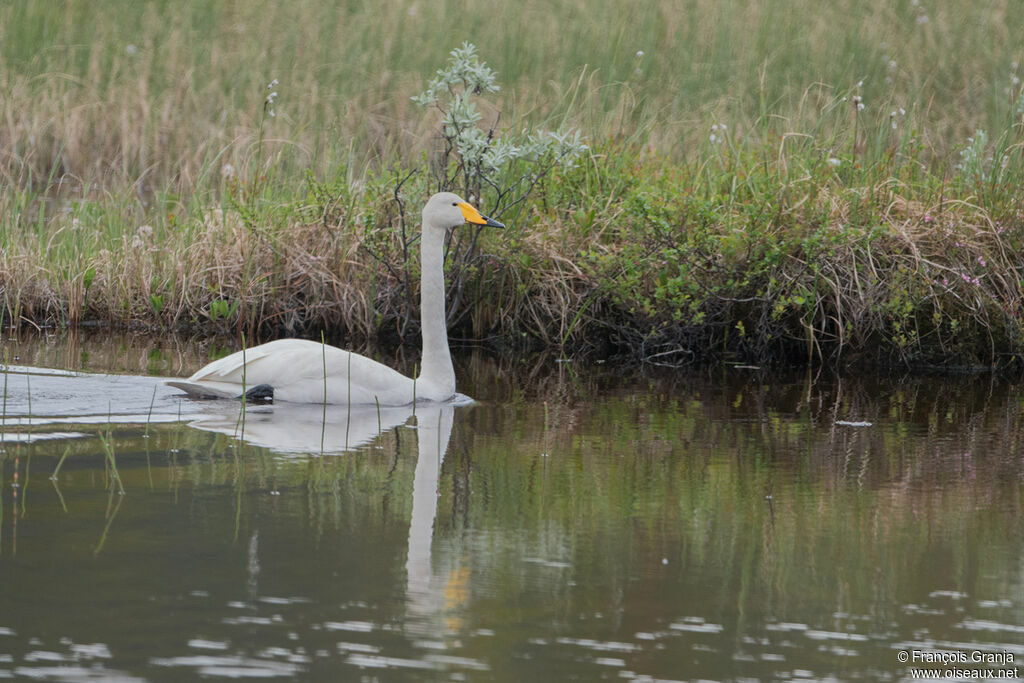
(571, 524)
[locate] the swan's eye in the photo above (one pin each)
(455, 203)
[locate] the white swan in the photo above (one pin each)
(302, 371)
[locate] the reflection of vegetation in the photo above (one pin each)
(735, 500)
(112, 508)
(750, 492)
(110, 462)
(187, 463)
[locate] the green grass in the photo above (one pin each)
(145, 182)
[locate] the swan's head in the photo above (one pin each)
(447, 210)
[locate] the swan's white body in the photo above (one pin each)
(304, 371)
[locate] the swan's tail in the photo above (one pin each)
(260, 392)
(205, 389)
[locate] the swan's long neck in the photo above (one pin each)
(437, 376)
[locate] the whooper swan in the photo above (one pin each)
(300, 370)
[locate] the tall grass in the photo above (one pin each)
(166, 95)
(147, 178)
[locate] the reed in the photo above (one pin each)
(240, 422)
(348, 401)
(28, 415)
(323, 412)
(380, 429)
(149, 414)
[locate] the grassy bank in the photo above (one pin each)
(764, 183)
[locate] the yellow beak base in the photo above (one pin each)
(471, 215)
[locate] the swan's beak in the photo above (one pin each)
(471, 215)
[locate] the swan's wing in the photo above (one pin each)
(234, 368)
(347, 378)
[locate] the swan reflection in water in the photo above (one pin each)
(293, 428)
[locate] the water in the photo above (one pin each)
(572, 524)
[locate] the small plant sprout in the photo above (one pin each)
(974, 166)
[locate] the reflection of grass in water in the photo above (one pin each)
(110, 460)
(236, 450)
(53, 477)
(24, 487)
(60, 463)
(174, 442)
(683, 476)
(112, 509)
(28, 437)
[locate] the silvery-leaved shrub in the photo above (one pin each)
(975, 164)
(495, 170)
(490, 166)
(982, 164)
